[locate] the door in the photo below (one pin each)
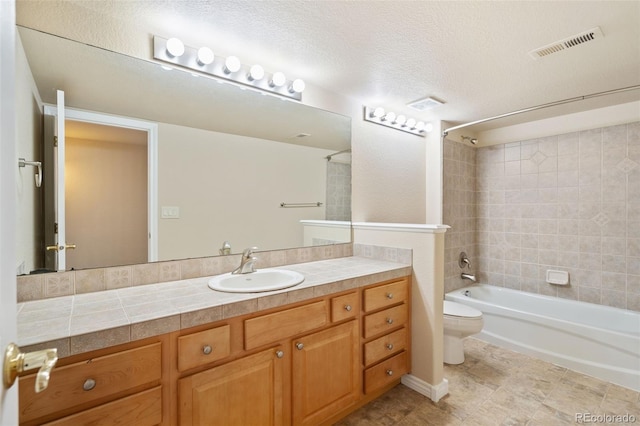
(54, 191)
(116, 154)
(246, 391)
(8, 167)
(326, 373)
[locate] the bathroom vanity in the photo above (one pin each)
(339, 345)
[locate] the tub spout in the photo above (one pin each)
(468, 277)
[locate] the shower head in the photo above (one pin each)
(470, 139)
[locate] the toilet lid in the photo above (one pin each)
(455, 309)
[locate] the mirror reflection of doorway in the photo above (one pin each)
(106, 184)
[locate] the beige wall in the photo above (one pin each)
(28, 142)
(223, 181)
(106, 203)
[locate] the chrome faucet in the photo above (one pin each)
(468, 277)
(246, 262)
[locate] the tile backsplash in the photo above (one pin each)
(567, 202)
(42, 286)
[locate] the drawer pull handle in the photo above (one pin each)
(389, 320)
(89, 384)
(389, 372)
(299, 346)
(279, 354)
(390, 346)
(207, 349)
(389, 295)
(347, 308)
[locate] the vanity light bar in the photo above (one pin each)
(399, 122)
(231, 69)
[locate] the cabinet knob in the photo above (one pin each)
(279, 354)
(390, 346)
(89, 384)
(347, 308)
(299, 346)
(389, 295)
(207, 349)
(389, 372)
(389, 320)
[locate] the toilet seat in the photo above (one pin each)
(455, 309)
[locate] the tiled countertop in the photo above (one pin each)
(85, 322)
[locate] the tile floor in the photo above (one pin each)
(496, 386)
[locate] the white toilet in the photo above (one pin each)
(459, 322)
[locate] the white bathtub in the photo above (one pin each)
(596, 340)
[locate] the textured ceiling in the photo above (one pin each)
(471, 54)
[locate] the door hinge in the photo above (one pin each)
(55, 141)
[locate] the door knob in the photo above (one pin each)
(15, 362)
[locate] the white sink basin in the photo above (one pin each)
(254, 282)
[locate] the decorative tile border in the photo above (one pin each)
(44, 286)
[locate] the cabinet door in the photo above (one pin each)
(325, 373)
(243, 392)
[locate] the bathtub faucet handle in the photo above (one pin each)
(463, 261)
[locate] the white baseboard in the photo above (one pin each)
(435, 393)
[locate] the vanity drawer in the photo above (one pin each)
(384, 346)
(280, 325)
(386, 295)
(102, 376)
(201, 348)
(141, 409)
(344, 307)
(383, 321)
(385, 372)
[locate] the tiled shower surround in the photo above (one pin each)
(567, 202)
(338, 191)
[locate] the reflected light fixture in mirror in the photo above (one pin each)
(228, 69)
(399, 122)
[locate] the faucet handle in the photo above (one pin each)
(248, 252)
(463, 261)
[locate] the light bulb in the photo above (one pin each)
(428, 127)
(231, 65)
(378, 112)
(255, 73)
(297, 86)
(175, 47)
(205, 56)
(411, 123)
(390, 117)
(277, 80)
(400, 120)
(420, 126)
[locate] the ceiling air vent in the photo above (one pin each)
(425, 104)
(573, 41)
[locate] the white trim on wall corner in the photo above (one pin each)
(403, 227)
(435, 393)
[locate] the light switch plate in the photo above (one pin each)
(170, 212)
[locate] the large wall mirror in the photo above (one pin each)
(226, 160)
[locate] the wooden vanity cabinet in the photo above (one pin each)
(236, 393)
(385, 333)
(308, 363)
(118, 385)
(325, 373)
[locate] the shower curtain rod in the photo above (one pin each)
(328, 157)
(445, 132)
